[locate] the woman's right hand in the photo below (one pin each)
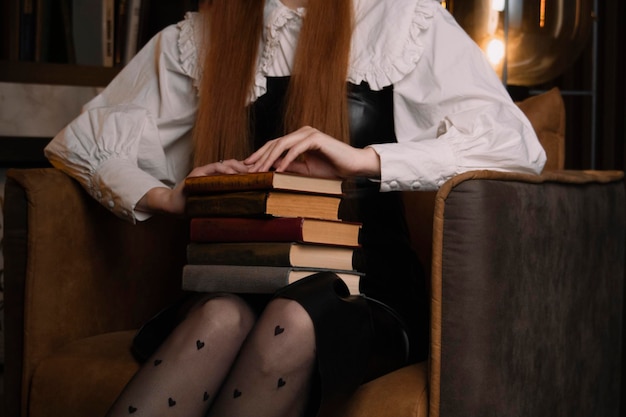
(172, 200)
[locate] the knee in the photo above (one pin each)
(284, 337)
(226, 315)
(291, 319)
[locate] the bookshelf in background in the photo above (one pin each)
(37, 47)
(45, 31)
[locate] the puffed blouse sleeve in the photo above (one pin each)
(135, 135)
(452, 113)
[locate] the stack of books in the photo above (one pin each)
(258, 232)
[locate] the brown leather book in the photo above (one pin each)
(264, 203)
(262, 181)
(275, 254)
(279, 229)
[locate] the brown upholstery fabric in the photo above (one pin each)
(403, 393)
(527, 289)
(546, 113)
(84, 377)
(73, 270)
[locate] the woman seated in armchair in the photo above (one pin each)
(390, 95)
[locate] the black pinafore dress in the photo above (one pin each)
(359, 337)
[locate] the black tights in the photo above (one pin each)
(222, 361)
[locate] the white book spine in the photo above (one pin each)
(132, 33)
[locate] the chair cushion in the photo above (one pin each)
(402, 393)
(84, 377)
(546, 113)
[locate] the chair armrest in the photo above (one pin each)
(527, 294)
(73, 270)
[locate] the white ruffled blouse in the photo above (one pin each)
(452, 113)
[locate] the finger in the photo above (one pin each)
(262, 152)
(298, 167)
(203, 170)
(280, 147)
(229, 166)
(295, 154)
(224, 169)
(254, 157)
(267, 156)
(310, 142)
(238, 166)
(258, 155)
(264, 159)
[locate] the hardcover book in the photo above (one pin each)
(262, 181)
(131, 41)
(275, 254)
(264, 203)
(278, 229)
(253, 279)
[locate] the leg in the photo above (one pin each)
(272, 375)
(186, 372)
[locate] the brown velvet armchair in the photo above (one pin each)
(526, 295)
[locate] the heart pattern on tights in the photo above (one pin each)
(281, 383)
(131, 409)
(236, 393)
(171, 402)
(278, 330)
(199, 344)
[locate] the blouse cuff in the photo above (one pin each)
(114, 174)
(431, 163)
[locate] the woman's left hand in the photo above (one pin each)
(310, 152)
(172, 200)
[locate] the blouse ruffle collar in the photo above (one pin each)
(278, 18)
(386, 44)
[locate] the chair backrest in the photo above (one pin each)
(546, 112)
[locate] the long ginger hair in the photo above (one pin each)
(317, 90)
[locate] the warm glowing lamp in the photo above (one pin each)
(495, 51)
(544, 37)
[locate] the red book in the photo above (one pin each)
(280, 229)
